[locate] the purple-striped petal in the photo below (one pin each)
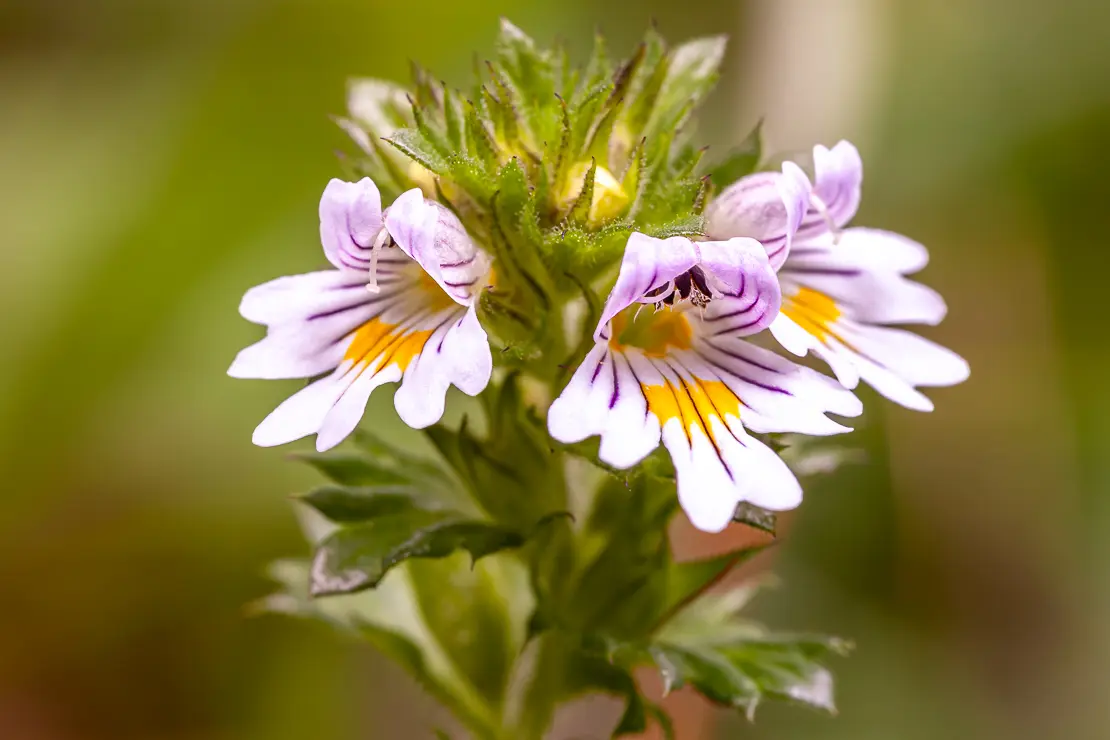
(350, 221)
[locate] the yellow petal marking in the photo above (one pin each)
(435, 296)
(380, 344)
(693, 403)
(813, 311)
(654, 332)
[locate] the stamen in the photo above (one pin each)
(379, 242)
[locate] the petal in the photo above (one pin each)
(838, 177)
(858, 247)
(274, 358)
(435, 238)
(630, 433)
(582, 408)
(875, 296)
(605, 397)
(913, 358)
(350, 220)
(456, 354)
(716, 462)
(311, 319)
(648, 263)
(304, 412)
(754, 295)
(777, 395)
(766, 206)
(298, 296)
(350, 407)
(800, 342)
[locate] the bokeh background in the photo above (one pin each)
(157, 157)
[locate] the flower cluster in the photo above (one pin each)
(551, 243)
(671, 359)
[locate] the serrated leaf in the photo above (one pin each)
(479, 142)
(351, 469)
(738, 663)
(741, 161)
(415, 145)
(598, 69)
(380, 106)
(357, 557)
(691, 73)
(580, 209)
(346, 504)
(645, 87)
(688, 580)
(453, 120)
(756, 518)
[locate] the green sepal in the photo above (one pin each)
(580, 211)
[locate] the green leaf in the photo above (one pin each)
(688, 580)
(756, 518)
(740, 162)
(343, 504)
(598, 70)
(736, 662)
(379, 106)
(479, 142)
(415, 145)
(352, 469)
(691, 73)
(530, 70)
(465, 609)
(390, 619)
(619, 589)
(453, 120)
(580, 210)
(357, 557)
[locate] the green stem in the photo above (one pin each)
(544, 689)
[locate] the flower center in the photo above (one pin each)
(655, 332)
(689, 286)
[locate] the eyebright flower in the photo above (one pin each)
(669, 363)
(841, 286)
(398, 307)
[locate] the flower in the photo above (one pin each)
(668, 363)
(398, 307)
(842, 286)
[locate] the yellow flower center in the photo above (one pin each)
(652, 331)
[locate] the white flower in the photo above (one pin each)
(398, 307)
(668, 363)
(842, 286)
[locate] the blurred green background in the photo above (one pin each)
(159, 157)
